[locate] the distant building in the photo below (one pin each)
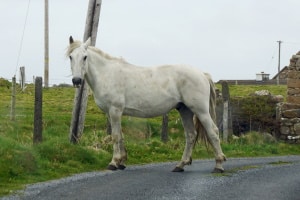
(282, 74)
(262, 79)
(262, 76)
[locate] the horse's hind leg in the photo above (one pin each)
(213, 137)
(190, 137)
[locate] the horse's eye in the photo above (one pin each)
(70, 57)
(84, 58)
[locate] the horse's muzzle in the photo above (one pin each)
(76, 81)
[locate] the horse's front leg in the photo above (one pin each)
(119, 151)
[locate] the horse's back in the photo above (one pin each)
(175, 80)
(189, 79)
(156, 90)
(181, 74)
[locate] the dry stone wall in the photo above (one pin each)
(288, 113)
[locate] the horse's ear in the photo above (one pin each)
(88, 43)
(71, 40)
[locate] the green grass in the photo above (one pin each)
(235, 170)
(280, 163)
(245, 90)
(22, 163)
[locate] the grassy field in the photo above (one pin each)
(22, 163)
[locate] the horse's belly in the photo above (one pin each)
(149, 108)
(144, 113)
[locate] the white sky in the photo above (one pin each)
(230, 39)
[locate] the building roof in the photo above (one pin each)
(282, 70)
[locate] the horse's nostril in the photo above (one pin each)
(76, 81)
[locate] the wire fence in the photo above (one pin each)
(24, 100)
(52, 82)
(57, 107)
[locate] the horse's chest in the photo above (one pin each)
(102, 103)
(102, 106)
(106, 100)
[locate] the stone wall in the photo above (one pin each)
(256, 112)
(288, 113)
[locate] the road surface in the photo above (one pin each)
(276, 178)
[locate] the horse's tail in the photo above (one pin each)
(201, 132)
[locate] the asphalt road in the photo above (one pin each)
(245, 178)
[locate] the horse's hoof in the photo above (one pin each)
(112, 167)
(190, 162)
(217, 170)
(121, 167)
(178, 169)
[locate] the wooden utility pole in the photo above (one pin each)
(279, 49)
(81, 94)
(46, 56)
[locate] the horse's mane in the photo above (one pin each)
(73, 46)
(77, 44)
(107, 56)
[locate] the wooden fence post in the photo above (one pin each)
(164, 128)
(13, 100)
(38, 111)
(227, 122)
(81, 94)
(22, 78)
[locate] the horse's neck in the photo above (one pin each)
(96, 69)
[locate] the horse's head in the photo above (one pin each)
(77, 53)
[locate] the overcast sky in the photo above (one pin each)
(230, 39)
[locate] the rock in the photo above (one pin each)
(294, 113)
(293, 83)
(285, 130)
(293, 99)
(297, 128)
(262, 93)
(289, 106)
(277, 98)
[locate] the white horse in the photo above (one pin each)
(121, 88)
